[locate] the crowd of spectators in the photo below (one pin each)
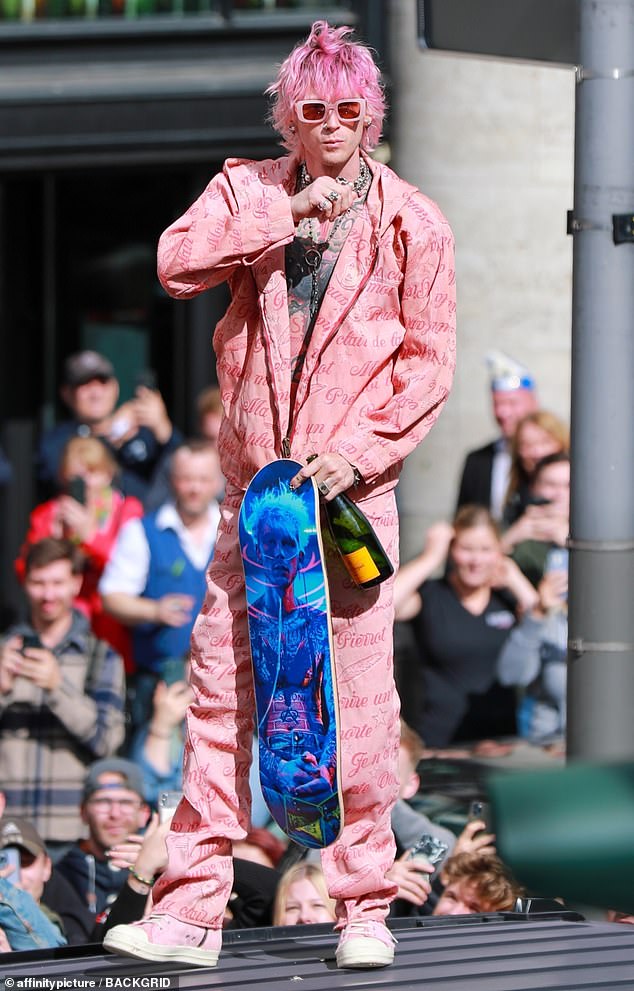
(94, 687)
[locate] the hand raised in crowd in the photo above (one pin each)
(509, 575)
(412, 574)
(36, 664)
(170, 705)
(10, 657)
(40, 666)
(74, 520)
(537, 523)
(123, 424)
(411, 874)
(438, 540)
(174, 610)
(147, 853)
(475, 839)
(150, 412)
(318, 199)
(552, 591)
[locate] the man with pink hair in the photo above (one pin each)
(339, 342)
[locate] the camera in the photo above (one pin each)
(431, 849)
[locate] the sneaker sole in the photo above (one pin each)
(363, 960)
(128, 947)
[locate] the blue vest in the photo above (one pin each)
(170, 572)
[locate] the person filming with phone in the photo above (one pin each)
(138, 433)
(546, 521)
(61, 698)
(89, 511)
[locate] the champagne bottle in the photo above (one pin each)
(358, 544)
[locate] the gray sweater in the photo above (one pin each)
(534, 657)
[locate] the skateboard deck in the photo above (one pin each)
(292, 654)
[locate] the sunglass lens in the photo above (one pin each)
(349, 109)
(314, 111)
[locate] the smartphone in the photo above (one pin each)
(168, 800)
(10, 857)
(481, 811)
(147, 378)
(76, 489)
(556, 560)
(536, 500)
(173, 670)
(30, 640)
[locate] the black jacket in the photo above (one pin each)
(60, 896)
(96, 882)
(475, 484)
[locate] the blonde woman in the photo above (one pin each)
(537, 436)
(90, 511)
(302, 897)
(460, 623)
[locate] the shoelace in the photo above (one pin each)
(161, 920)
(370, 929)
(158, 918)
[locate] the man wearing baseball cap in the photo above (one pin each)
(27, 922)
(113, 807)
(139, 433)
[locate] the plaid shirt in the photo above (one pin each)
(49, 738)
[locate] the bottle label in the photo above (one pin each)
(361, 565)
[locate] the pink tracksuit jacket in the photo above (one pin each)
(378, 369)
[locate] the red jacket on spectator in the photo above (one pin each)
(96, 551)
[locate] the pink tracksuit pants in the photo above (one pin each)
(197, 883)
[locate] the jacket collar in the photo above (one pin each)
(76, 639)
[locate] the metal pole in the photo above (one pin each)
(601, 619)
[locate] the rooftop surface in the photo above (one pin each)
(496, 952)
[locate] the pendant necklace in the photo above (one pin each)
(311, 248)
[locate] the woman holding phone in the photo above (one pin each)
(90, 511)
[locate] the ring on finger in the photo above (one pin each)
(324, 488)
(333, 195)
(322, 205)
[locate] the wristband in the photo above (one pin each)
(148, 882)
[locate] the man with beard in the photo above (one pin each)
(113, 808)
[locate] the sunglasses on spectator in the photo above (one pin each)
(314, 111)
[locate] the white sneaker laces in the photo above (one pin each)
(369, 929)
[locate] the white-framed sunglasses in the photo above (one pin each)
(313, 111)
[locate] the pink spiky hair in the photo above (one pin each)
(332, 67)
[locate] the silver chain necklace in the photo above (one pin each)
(304, 178)
(314, 249)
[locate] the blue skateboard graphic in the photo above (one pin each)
(291, 650)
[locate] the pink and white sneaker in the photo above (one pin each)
(162, 937)
(365, 943)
